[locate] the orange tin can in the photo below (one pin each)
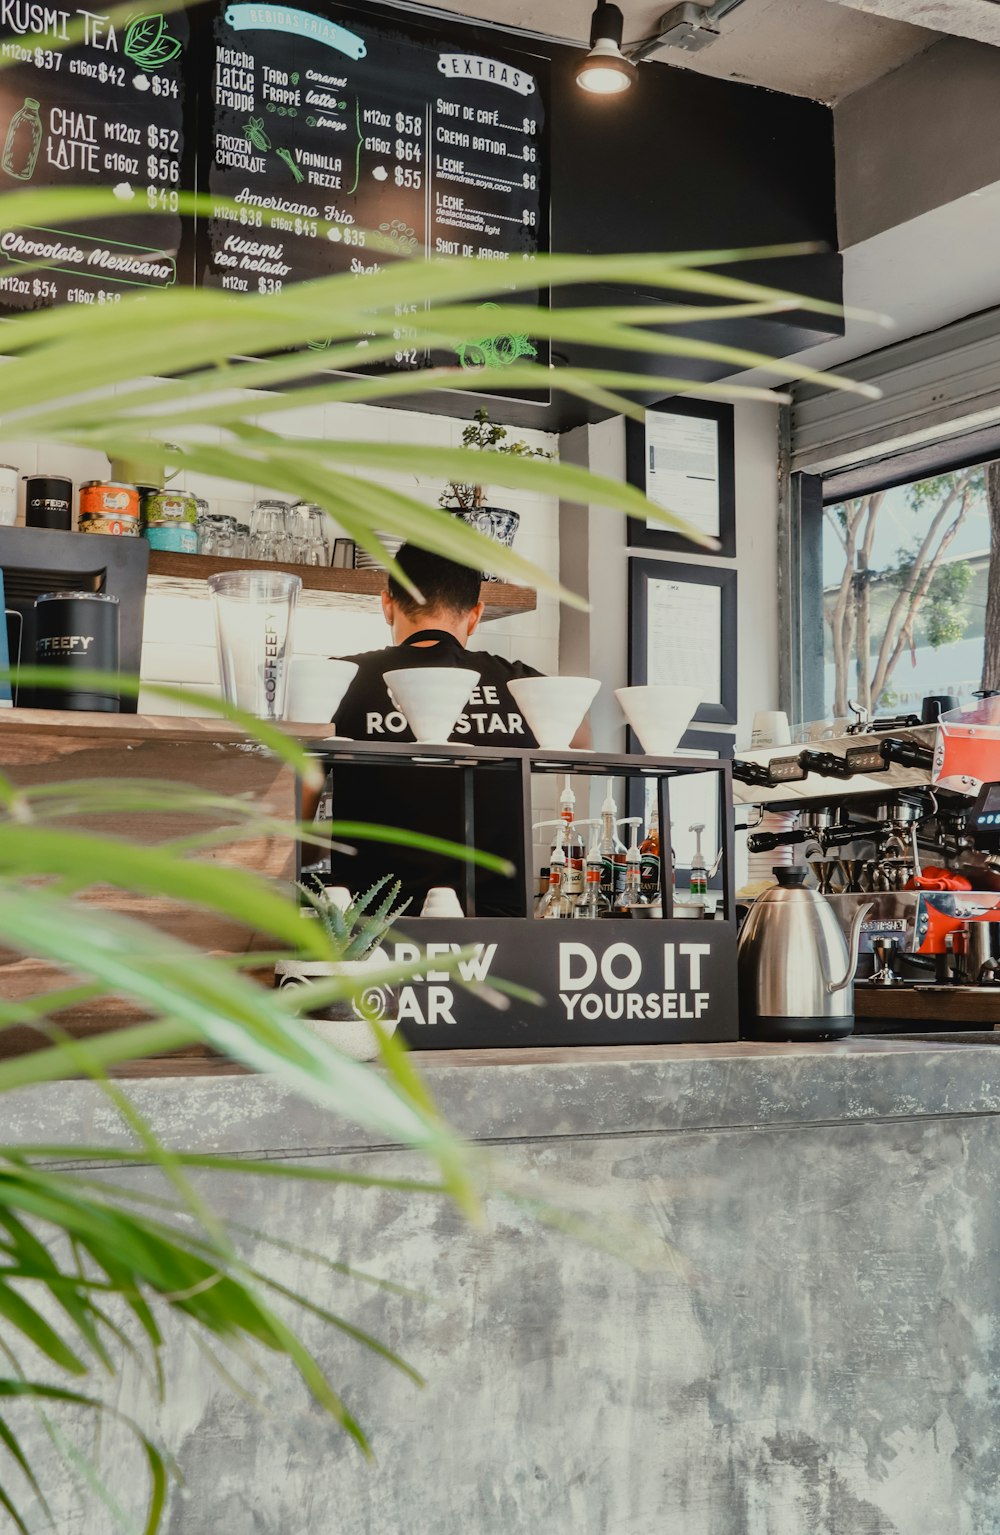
(109, 522)
(108, 498)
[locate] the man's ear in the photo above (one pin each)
(388, 609)
(475, 618)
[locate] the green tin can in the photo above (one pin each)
(169, 509)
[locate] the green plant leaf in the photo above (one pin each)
(18, 1314)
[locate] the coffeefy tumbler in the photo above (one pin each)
(78, 632)
(254, 616)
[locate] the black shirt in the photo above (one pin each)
(430, 800)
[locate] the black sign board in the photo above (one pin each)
(613, 982)
(108, 111)
(331, 116)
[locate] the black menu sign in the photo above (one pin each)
(106, 111)
(331, 117)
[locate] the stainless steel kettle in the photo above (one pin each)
(795, 969)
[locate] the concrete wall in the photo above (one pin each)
(920, 137)
(824, 1362)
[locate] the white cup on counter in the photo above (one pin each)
(770, 728)
(442, 901)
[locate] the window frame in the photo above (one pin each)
(805, 497)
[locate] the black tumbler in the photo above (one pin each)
(77, 632)
(934, 705)
(48, 502)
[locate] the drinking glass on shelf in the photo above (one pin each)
(206, 528)
(267, 530)
(241, 541)
(206, 535)
(307, 534)
(225, 532)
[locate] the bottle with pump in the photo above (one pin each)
(593, 903)
(631, 894)
(649, 851)
(573, 842)
(699, 868)
(556, 902)
(612, 852)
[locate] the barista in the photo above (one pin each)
(434, 632)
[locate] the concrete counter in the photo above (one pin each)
(825, 1364)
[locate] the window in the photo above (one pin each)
(905, 592)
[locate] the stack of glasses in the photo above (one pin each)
(299, 534)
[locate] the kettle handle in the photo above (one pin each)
(853, 940)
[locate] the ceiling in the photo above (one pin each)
(802, 47)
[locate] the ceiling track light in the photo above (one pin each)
(606, 71)
(610, 68)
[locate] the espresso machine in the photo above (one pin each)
(902, 819)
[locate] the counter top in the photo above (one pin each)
(508, 1096)
(816, 1354)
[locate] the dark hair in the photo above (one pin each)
(442, 583)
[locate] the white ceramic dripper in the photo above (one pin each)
(659, 713)
(431, 698)
(554, 707)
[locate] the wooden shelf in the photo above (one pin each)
(186, 574)
(914, 1007)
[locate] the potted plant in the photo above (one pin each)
(468, 500)
(356, 931)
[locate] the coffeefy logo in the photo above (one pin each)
(78, 643)
(437, 1003)
(616, 985)
(272, 665)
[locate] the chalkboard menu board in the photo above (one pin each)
(330, 116)
(315, 130)
(108, 111)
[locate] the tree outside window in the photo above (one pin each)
(908, 605)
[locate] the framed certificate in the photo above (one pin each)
(682, 629)
(682, 457)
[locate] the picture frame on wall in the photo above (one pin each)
(682, 629)
(683, 458)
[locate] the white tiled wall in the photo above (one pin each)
(179, 645)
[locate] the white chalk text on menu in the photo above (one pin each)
(109, 109)
(361, 125)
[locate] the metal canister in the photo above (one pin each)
(175, 537)
(169, 508)
(109, 522)
(9, 477)
(48, 502)
(114, 498)
(77, 631)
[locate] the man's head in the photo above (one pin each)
(450, 592)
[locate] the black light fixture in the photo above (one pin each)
(606, 71)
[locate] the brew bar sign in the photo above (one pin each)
(330, 128)
(611, 982)
(108, 110)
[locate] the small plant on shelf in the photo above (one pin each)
(354, 929)
(485, 436)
